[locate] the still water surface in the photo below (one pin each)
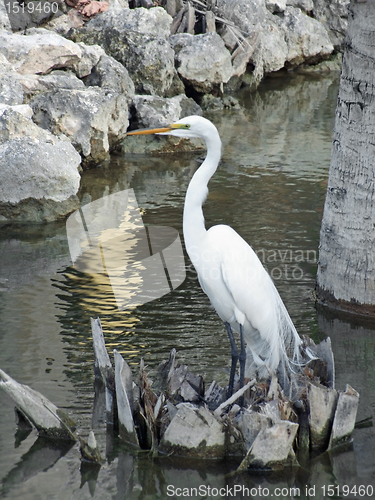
(270, 187)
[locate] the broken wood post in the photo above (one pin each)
(194, 432)
(124, 396)
(220, 409)
(344, 419)
(103, 369)
(272, 448)
(322, 404)
(89, 449)
(49, 420)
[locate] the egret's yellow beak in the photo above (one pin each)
(161, 130)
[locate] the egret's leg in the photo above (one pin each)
(242, 359)
(234, 353)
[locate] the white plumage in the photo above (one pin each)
(231, 274)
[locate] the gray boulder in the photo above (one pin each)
(58, 79)
(94, 119)
(4, 18)
(203, 62)
(304, 5)
(334, 16)
(110, 74)
(39, 175)
(137, 38)
(38, 52)
(278, 36)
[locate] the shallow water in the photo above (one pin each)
(270, 187)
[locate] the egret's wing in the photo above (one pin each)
(268, 327)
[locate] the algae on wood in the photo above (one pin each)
(49, 420)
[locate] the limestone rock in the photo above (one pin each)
(93, 119)
(38, 52)
(137, 38)
(202, 61)
(334, 16)
(110, 74)
(39, 175)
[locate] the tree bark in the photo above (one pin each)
(346, 268)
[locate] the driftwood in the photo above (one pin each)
(49, 420)
(175, 415)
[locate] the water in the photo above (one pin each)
(270, 187)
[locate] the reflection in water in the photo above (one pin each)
(270, 188)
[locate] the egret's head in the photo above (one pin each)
(191, 126)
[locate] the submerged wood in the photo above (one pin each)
(49, 420)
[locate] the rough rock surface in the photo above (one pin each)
(94, 119)
(280, 36)
(137, 38)
(202, 61)
(39, 175)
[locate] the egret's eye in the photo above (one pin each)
(181, 125)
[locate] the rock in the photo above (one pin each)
(306, 38)
(64, 23)
(206, 441)
(39, 177)
(322, 403)
(275, 6)
(202, 61)
(58, 79)
(344, 419)
(11, 91)
(39, 51)
(90, 55)
(153, 111)
(4, 18)
(39, 180)
(304, 5)
(50, 420)
(137, 38)
(93, 119)
(110, 74)
(334, 16)
(281, 37)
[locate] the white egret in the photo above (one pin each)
(231, 274)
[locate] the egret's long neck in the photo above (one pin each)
(193, 221)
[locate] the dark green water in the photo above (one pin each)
(270, 187)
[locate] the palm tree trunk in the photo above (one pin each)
(346, 268)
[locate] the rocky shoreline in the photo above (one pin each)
(72, 85)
